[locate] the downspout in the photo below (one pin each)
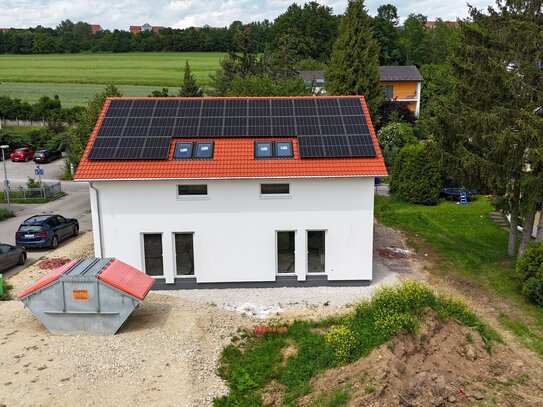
(98, 217)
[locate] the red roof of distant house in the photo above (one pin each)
(233, 158)
(157, 28)
(432, 24)
(134, 29)
(95, 28)
(5, 29)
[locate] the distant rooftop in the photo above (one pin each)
(399, 73)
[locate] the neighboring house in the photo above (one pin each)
(205, 192)
(4, 29)
(135, 29)
(96, 28)
(402, 84)
(314, 79)
(433, 24)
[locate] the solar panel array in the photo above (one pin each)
(143, 128)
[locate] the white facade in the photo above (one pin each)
(234, 227)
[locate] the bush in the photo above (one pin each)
(343, 341)
(416, 175)
(392, 138)
(530, 272)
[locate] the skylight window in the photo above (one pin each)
(183, 150)
(263, 149)
(193, 150)
(203, 150)
(283, 148)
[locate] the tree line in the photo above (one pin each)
(310, 30)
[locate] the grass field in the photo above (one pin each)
(77, 77)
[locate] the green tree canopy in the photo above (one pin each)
(354, 64)
(189, 88)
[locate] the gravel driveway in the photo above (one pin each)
(168, 351)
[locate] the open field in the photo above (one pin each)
(77, 77)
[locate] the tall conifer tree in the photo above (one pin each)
(354, 64)
(190, 87)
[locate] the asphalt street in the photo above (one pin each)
(75, 204)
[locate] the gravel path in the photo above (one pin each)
(168, 351)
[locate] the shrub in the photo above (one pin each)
(392, 138)
(342, 340)
(530, 272)
(416, 175)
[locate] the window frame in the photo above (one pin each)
(391, 88)
(325, 233)
(188, 143)
(189, 197)
(277, 273)
(177, 275)
(276, 149)
(274, 195)
(256, 150)
(142, 240)
(195, 150)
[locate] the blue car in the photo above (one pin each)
(45, 231)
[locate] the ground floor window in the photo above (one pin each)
(152, 252)
(315, 251)
(184, 254)
(285, 252)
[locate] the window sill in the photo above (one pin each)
(275, 196)
(192, 198)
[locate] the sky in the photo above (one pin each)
(120, 14)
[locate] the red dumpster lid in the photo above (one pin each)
(126, 278)
(47, 279)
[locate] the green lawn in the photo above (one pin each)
(76, 77)
(469, 245)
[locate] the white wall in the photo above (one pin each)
(235, 228)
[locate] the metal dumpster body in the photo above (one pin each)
(87, 296)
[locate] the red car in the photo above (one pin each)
(22, 154)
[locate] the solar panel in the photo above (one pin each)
(324, 126)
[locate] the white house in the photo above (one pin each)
(224, 192)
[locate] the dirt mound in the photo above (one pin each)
(443, 364)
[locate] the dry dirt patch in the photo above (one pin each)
(444, 364)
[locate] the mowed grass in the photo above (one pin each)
(134, 68)
(77, 77)
(469, 245)
(71, 94)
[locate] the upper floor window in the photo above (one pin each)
(389, 91)
(187, 150)
(273, 149)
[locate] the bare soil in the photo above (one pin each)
(443, 364)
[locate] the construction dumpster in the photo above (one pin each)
(87, 296)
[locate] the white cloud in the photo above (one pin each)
(184, 13)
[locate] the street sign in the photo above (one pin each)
(38, 171)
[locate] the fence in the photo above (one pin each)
(46, 191)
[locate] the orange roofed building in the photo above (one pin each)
(235, 192)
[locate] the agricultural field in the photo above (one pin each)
(77, 77)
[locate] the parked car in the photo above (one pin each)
(46, 231)
(11, 256)
(46, 156)
(22, 154)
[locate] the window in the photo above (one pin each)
(183, 150)
(389, 91)
(152, 252)
(263, 149)
(188, 150)
(184, 254)
(285, 252)
(315, 251)
(274, 189)
(283, 148)
(53, 222)
(204, 150)
(277, 149)
(192, 190)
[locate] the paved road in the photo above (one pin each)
(76, 204)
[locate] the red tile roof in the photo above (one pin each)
(126, 278)
(233, 158)
(47, 278)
